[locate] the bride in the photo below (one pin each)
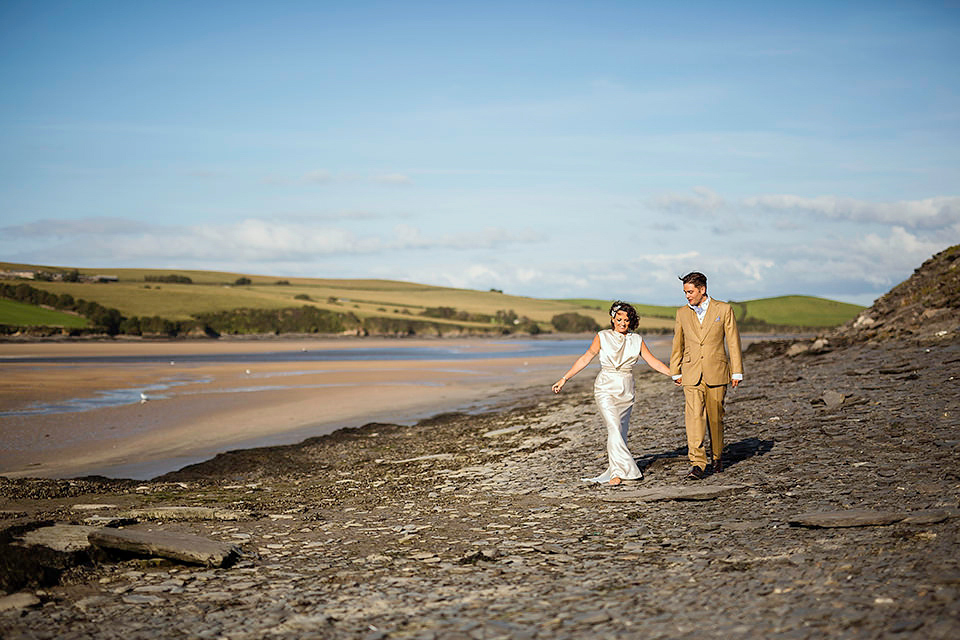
(613, 390)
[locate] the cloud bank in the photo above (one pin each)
(755, 246)
(930, 213)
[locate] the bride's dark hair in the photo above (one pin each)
(632, 317)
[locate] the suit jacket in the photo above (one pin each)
(698, 350)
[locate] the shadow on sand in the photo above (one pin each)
(733, 454)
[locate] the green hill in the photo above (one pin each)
(184, 296)
(181, 296)
(784, 311)
(643, 310)
(29, 315)
(802, 311)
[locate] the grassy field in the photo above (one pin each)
(643, 310)
(27, 315)
(216, 291)
(795, 311)
(213, 291)
(804, 311)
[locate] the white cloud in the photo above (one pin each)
(393, 178)
(645, 278)
(857, 269)
(318, 176)
(66, 228)
(929, 213)
(898, 250)
(125, 243)
(344, 215)
(702, 200)
(326, 177)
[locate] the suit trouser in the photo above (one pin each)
(703, 407)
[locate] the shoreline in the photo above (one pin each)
(199, 409)
(220, 407)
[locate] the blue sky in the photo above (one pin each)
(551, 149)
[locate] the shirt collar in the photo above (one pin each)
(703, 305)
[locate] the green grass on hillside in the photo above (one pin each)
(214, 291)
(800, 311)
(643, 310)
(19, 314)
(792, 311)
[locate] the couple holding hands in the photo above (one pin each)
(698, 363)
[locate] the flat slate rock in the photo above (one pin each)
(698, 492)
(188, 513)
(848, 518)
(174, 546)
(928, 516)
(434, 456)
(17, 601)
(505, 431)
(109, 521)
(65, 538)
(833, 398)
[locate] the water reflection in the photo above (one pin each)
(103, 399)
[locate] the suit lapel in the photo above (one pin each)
(713, 318)
(694, 322)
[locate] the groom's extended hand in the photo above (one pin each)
(734, 382)
(679, 381)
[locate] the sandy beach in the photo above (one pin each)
(197, 409)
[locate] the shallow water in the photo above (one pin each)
(249, 398)
(108, 398)
(500, 349)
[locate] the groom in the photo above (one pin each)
(699, 363)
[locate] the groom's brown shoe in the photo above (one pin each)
(718, 465)
(696, 473)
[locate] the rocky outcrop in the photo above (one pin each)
(925, 306)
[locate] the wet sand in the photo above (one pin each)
(206, 408)
(214, 407)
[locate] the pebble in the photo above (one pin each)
(18, 601)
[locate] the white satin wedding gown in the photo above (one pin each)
(613, 391)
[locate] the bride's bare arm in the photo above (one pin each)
(652, 360)
(579, 365)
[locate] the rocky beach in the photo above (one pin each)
(836, 515)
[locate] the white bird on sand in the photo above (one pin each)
(143, 397)
(248, 371)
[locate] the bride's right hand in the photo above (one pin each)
(559, 385)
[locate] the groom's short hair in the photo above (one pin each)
(695, 278)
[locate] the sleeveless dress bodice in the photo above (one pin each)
(619, 351)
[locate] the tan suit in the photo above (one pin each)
(698, 356)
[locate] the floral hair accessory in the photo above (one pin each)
(616, 307)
